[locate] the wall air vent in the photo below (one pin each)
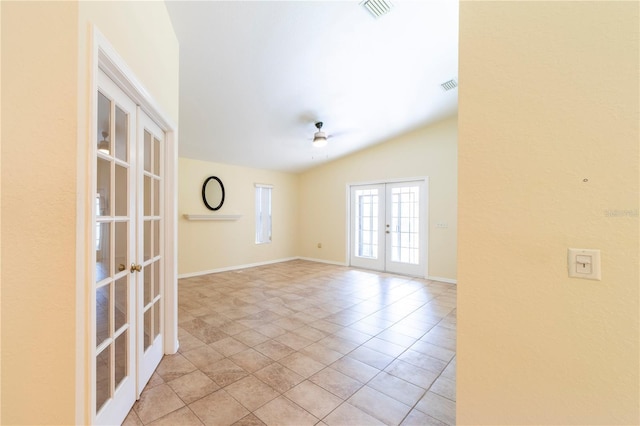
(449, 85)
(377, 7)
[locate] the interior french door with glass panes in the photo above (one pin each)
(150, 294)
(128, 287)
(388, 227)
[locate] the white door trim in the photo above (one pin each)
(103, 56)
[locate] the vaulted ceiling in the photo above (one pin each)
(256, 76)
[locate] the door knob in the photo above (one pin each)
(135, 267)
(121, 267)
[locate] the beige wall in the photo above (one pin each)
(548, 98)
(44, 81)
(39, 82)
(141, 32)
(211, 245)
(430, 151)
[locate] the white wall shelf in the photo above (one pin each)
(212, 216)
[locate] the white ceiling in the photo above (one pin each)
(255, 76)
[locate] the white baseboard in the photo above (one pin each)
(329, 262)
(234, 268)
(269, 262)
(443, 280)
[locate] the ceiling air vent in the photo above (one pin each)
(377, 7)
(449, 85)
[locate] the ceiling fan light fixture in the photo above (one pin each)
(319, 139)
(103, 145)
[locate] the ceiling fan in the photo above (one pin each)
(319, 137)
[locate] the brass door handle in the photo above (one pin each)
(121, 267)
(135, 267)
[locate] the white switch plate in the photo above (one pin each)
(584, 263)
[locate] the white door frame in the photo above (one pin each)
(424, 239)
(103, 56)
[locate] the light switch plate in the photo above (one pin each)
(584, 263)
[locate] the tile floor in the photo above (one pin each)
(303, 343)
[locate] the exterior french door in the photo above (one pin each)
(128, 287)
(388, 227)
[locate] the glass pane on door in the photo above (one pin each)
(367, 223)
(405, 224)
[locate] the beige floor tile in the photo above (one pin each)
(218, 408)
(397, 388)
(225, 372)
(338, 344)
(155, 380)
(289, 323)
(249, 420)
(203, 356)
(354, 335)
(251, 338)
(174, 366)
(366, 329)
(450, 371)
(157, 402)
(438, 407)
(336, 325)
(386, 409)
(251, 360)
(228, 346)
(310, 333)
(183, 417)
(371, 357)
(336, 382)
(193, 386)
(418, 418)
(209, 334)
(327, 327)
(397, 338)
(423, 361)
(251, 392)
(441, 341)
(348, 415)
(313, 398)
(412, 374)
(355, 369)
(188, 342)
(270, 330)
(232, 328)
(444, 387)
(302, 364)
(322, 353)
(294, 341)
(282, 411)
(279, 377)
(274, 349)
(132, 419)
(385, 347)
(433, 350)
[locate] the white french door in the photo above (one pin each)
(128, 287)
(388, 227)
(150, 207)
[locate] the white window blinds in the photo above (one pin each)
(263, 213)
